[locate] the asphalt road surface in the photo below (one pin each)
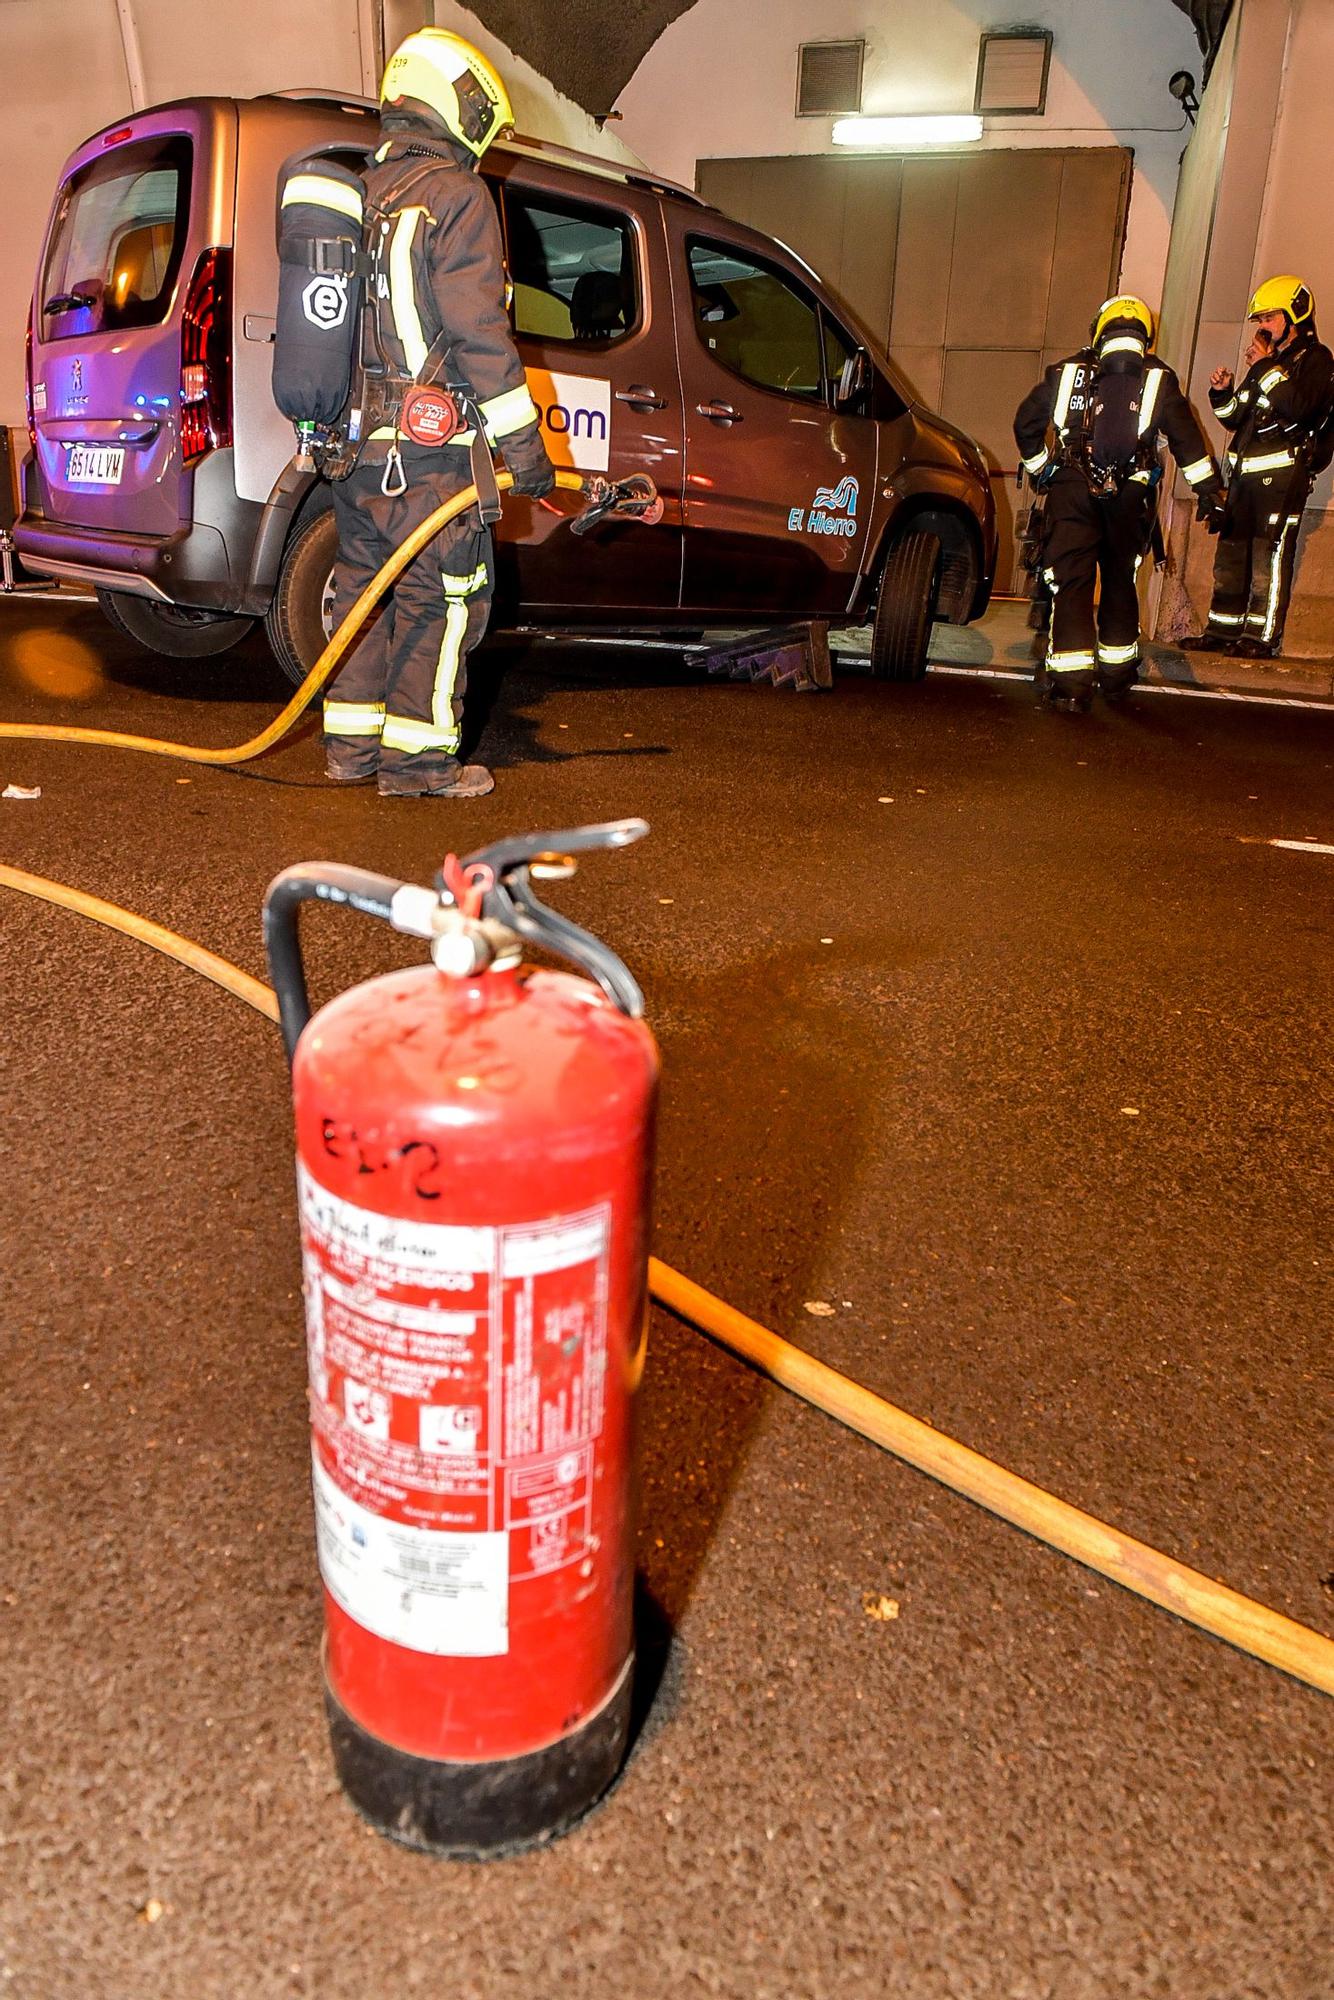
(1005, 1035)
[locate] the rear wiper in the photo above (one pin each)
(63, 302)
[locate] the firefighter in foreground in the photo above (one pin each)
(1089, 437)
(1280, 420)
(435, 315)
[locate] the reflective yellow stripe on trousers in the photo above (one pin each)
(1269, 619)
(353, 718)
(1070, 663)
(405, 733)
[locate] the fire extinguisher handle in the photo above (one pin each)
(511, 901)
(516, 905)
(327, 882)
(502, 857)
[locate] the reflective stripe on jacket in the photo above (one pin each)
(1060, 403)
(443, 279)
(1278, 406)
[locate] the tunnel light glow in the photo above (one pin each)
(955, 130)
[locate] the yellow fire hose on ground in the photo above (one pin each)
(1254, 1628)
(154, 746)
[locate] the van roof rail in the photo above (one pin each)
(314, 94)
(520, 142)
(600, 164)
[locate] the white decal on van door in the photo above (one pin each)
(575, 411)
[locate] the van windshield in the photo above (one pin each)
(117, 241)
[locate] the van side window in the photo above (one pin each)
(757, 321)
(117, 240)
(573, 269)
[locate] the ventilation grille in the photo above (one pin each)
(1012, 73)
(829, 78)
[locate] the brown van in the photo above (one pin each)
(800, 478)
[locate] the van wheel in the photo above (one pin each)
(178, 630)
(299, 622)
(909, 587)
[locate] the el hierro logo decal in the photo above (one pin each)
(834, 511)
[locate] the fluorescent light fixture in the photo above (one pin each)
(957, 130)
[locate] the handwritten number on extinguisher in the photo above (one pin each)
(418, 1159)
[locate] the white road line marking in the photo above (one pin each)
(1302, 846)
(1146, 687)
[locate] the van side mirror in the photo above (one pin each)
(854, 380)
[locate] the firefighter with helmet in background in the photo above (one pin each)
(1089, 437)
(1279, 417)
(439, 314)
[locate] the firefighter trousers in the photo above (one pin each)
(1093, 542)
(1256, 555)
(397, 703)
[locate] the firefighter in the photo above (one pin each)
(1278, 419)
(438, 315)
(1107, 408)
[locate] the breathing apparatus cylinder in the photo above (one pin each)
(321, 265)
(474, 1155)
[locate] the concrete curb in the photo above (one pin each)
(1002, 641)
(1312, 680)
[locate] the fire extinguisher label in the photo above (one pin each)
(458, 1378)
(435, 1593)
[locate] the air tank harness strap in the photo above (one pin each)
(481, 464)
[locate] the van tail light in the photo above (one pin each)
(206, 357)
(27, 389)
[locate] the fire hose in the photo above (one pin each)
(1215, 1608)
(604, 498)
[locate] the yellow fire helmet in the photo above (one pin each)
(452, 80)
(1123, 311)
(1283, 295)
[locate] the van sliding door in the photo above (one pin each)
(593, 323)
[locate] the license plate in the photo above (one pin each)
(95, 465)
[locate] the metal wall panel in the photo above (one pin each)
(1004, 240)
(982, 389)
(870, 240)
(1090, 234)
(925, 252)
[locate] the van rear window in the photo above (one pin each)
(117, 240)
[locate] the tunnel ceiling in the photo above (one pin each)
(591, 48)
(588, 48)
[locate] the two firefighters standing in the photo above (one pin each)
(1089, 437)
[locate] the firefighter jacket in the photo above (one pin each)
(441, 289)
(1063, 402)
(1277, 411)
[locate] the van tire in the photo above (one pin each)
(905, 609)
(294, 621)
(178, 630)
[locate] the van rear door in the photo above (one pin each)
(780, 480)
(120, 271)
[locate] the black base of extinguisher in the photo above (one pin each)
(483, 1811)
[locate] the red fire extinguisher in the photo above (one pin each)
(474, 1154)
